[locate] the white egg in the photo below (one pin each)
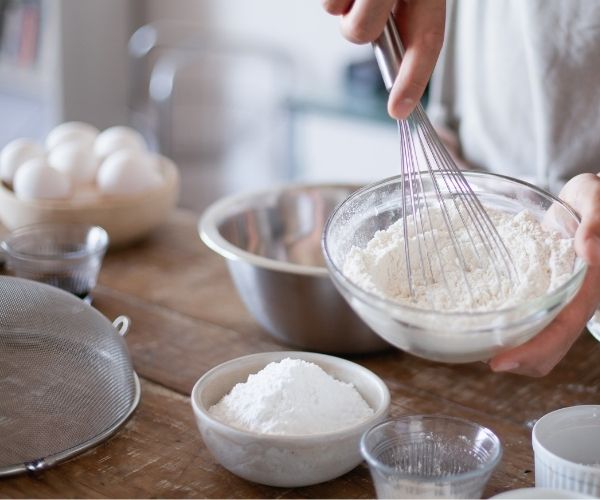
(35, 179)
(114, 139)
(76, 160)
(128, 172)
(14, 154)
(71, 132)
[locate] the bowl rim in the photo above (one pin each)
(313, 357)
(487, 467)
(213, 216)
(539, 492)
(168, 171)
(382, 303)
(541, 450)
(6, 247)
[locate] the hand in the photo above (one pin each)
(421, 27)
(542, 353)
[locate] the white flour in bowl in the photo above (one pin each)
(292, 397)
(543, 260)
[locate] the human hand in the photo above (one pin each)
(421, 27)
(541, 354)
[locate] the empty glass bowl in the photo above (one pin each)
(452, 337)
(430, 456)
(67, 256)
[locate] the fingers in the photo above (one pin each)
(421, 25)
(365, 21)
(583, 194)
(541, 354)
(337, 7)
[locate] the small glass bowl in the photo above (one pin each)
(430, 456)
(67, 256)
(450, 337)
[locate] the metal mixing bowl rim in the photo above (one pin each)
(378, 413)
(487, 467)
(208, 227)
(382, 303)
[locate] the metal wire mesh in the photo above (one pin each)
(66, 377)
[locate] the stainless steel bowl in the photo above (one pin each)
(271, 241)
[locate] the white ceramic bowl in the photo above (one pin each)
(280, 460)
(125, 218)
(566, 445)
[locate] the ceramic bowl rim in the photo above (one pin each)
(540, 449)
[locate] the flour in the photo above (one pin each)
(292, 397)
(543, 261)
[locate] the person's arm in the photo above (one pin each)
(542, 353)
(421, 27)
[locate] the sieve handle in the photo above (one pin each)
(389, 51)
(122, 324)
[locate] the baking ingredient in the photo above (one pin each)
(79, 132)
(75, 159)
(14, 154)
(128, 172)
(543, 260)
(35, 179)
(292, 397)
(114, 139)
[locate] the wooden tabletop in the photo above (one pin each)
(188, 318)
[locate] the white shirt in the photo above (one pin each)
(519, 82)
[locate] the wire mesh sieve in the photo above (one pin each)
(66, 378)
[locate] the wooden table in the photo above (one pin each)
(187, 318)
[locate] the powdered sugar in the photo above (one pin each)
(292, 397)
(543, 261)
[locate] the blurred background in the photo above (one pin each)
(240, 94)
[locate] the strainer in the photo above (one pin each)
(66, 378)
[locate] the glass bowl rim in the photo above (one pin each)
(485, 468)
(6, 243)
(382, 303)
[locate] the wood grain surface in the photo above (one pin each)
(187, 318)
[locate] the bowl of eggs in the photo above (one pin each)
(107, 178)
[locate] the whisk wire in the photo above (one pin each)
(408, 161)
(416, 175)
(462, 212)
(487, 233)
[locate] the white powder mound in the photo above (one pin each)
(543, 261)
(292, 397)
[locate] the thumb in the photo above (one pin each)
(583, 194)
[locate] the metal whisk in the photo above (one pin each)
(425, 160)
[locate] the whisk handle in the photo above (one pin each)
(389, 51)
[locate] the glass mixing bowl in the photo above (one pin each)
(452, 337)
